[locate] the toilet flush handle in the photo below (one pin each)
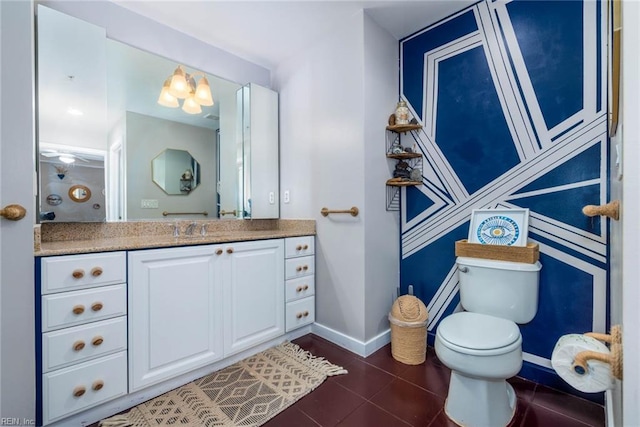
(463, 269)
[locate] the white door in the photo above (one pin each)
(253, 293)
(17, 352)
(175, 313)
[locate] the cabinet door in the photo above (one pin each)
(175, 321)
(253, 293)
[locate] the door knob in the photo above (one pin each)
(13, 212)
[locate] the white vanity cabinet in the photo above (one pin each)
(300, 281)
(175, 301)
(192, 306)
(82, 318)
(253, 293)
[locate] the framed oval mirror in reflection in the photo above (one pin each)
(176, 172)
(79, 193)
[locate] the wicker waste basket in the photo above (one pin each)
(408, 318)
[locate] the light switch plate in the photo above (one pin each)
(272, 197)
(286, 196)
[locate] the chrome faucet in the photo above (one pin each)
(190, 228)
(176, 230)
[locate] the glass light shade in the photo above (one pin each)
(203, 93)
(166, 99)
(179, 86)
(190, 106)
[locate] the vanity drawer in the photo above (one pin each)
(101, 379)
(299, 246)
(70, 272)
(301, 287)
(300, 313)
(80, 343)
(298, 267)
(78, 307)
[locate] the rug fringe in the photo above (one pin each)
(117, 421)
(317, 362)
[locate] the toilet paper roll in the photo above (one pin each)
(598, 376)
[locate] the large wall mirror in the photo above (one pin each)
(100, 126)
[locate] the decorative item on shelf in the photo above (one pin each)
(182, 85)
(402, 113)
(507, 227)
(415, 175)
(402, 170)
(392, 120)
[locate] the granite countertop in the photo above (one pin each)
(140, 240)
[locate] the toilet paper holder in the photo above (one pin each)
(614, 340)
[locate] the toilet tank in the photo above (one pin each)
(499, 288)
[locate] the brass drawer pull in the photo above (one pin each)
(302, 288)
(96, 306)
(305, 287)
(305, 314)
(305, 247)
(219, 252)
(78, 273)
(79, 391)
(97, 340)
(97, 385)
(299, 248)
(96, 271)
(78, 345)
(230, 250)
(78, 309)
(299, 316)
(305, 267)
(298, 269)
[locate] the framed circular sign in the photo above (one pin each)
(507, 227)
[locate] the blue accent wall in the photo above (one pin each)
(509, 96)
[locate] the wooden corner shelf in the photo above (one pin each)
(403, 128)
(400, 156)
(402, 183)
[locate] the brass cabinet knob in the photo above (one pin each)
(299, 289)
(79, 391)
(230, 250)
(305, 247)
(97, 385)
(78, 345)
(299, 248)
(299, 316)
(78, 309)
(97, 340)
(96, 306)
(298, 269)
(305, 287)
(78, 273)
(305, 267)
(305, 314)
(96, 271)
(219, 252)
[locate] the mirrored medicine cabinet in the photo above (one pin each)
(102, 132)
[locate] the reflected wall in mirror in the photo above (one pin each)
(176, 171)
(98, 94)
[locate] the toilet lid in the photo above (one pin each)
(478, 331)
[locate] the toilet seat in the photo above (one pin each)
(479, 334)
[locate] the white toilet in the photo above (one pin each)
(482, 345)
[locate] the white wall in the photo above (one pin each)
(631, 212)
(147, 137)
(17, 360)
(335, 99)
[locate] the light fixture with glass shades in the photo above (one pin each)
(182, 85)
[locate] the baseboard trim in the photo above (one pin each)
(361, 348)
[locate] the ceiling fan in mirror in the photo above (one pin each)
(64, 157)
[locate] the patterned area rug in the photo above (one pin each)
(247, 393)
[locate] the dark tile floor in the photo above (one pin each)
(381, 392)
(378, 391)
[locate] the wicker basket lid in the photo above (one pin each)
(408, 308)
